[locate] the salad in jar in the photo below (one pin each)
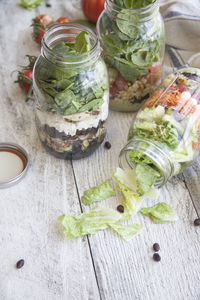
(71, 89)
(132, 38)
(165, 137)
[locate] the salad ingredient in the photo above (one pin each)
(25, 77)
(40, 24)
(156, 247)
(30, 4)
(160, 213)
(96, 219)
(63, 20)
(145, 178)
(127, 232)
(197, 222)
(92, 9)
(156, 257)
(133, 3)
(20, 264)
(120, 208)
(107, 145)
(98, 193)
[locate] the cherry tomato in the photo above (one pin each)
(25, 77)
(25, 80)
(40, 24)
(63, 20)
(92, 9)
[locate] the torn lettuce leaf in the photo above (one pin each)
(160, 213)
(127, 232)
(30, 4)
(90, 222)
(126, 179)
(145, 178)
(98, 193)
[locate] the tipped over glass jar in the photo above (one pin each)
(132, 38)
(71, 90)
(164, 138)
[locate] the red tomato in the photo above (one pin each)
(92, 9)
(63, 20)
(25, 80)
(40, 23)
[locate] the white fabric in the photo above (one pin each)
(182, 26)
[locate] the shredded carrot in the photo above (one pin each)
(169, 99)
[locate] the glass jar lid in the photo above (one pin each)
(14, 163)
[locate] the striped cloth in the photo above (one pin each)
(182, 26)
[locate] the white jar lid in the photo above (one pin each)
(14, 163)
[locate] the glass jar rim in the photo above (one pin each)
(83, 58)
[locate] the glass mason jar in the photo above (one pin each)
(133, 47)
(166, 132)
(72, 94)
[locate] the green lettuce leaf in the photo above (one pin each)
(82, 43)
(160, 213)
(30, 4)
(98, 193)
(126, 179)
(126, 231)
(90, 222)
(145, 177)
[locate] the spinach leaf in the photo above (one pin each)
(82, 42)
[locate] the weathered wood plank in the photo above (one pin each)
(55, 268)
(126, 270)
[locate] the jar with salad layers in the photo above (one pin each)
(132, 38)
(72, 92)
(164, 139)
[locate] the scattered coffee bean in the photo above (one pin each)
(197, 222)
(48, 5)
(156, 257)
(107, 145)
(120, 208)
(20, 264)
(156, 247)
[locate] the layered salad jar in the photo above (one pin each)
(165, 136)
(132, 38)
(72, 92)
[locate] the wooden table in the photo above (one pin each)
(101, 266)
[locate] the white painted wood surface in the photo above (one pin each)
(102, 266)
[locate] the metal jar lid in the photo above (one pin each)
(14, 163)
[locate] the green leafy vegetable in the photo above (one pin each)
(30, 4)
(96, 219)
(127, 232)
(133, 3)
(98, 193)
(74, 89)
(160, 213)
(82, 42)
(146, 177)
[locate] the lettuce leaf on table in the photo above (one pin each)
(160, 213)
(98, 193)
(90, 222)
(30, 4)
(127, 232)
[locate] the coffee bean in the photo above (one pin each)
(48, 5)
(156, 247)
(197, 222)
(20, 264)
(156, 257)
(120, 208)
(107, 145)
